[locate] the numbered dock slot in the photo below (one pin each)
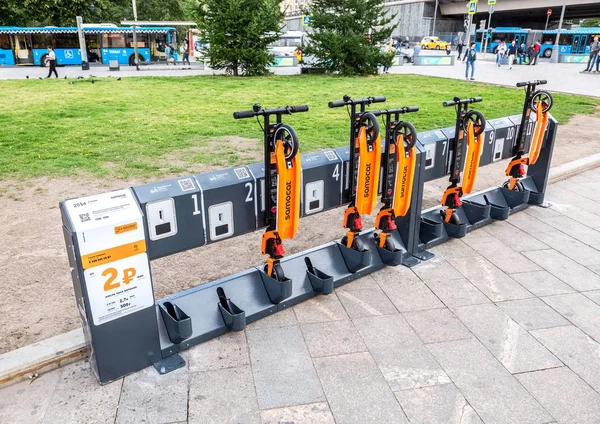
(489, 138)
(344, 154)
(516, 120)
(174, 221)
(435, 145)
(321, 178)
(504, 138)
(228, 202)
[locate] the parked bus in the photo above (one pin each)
(104, 42)
(572, 41)
(501, 34)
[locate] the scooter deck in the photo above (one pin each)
(538, 135)
(474, 149)
(368, 173)
(289, 174)
(405, 175)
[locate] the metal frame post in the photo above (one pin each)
(135, 44)
(554, 57)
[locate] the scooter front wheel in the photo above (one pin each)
(370, 121)
(288, 137)
(277, 273)
(518, 186)
(409, 134)
(545, 98)
(477, 119)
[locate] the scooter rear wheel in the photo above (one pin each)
(518, 186)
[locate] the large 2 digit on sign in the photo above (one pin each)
(112, 274)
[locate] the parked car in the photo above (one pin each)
(434, 43)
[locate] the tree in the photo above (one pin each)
(238, 33)
(591, 22)
(347, 35)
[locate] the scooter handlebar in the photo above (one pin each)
(275, 111)
(406, 109)
(348, 101)
(535, 82)
(459, 101)
(243, 114)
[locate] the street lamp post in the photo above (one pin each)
(135, 45)
(434, 17)
(554, 57)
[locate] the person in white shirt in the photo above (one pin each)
(501, 53)
(52, 62)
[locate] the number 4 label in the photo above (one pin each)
(119, 288)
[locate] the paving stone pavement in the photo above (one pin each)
(502, 326)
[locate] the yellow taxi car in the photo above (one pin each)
(433, 43)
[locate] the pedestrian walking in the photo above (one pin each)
(168, 53)
(594, 50)
(52, 62)
(186, 52)
(536, 52)
(521, 54)
(500, 53)
(459, 48)
(530, 54)
(388, 49)
(469, 58)
(512, 52)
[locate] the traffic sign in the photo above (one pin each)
(472, 7)
(305, 20)
(491, 2)
(549, 12)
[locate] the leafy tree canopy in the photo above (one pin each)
(348, 35)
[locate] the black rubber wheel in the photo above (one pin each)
(288, 136)
(278, 273)
(518, 186)
(389, 244)
(409, 132)
(547, 53)
(357, 244)
(478, 121)
(437, 47)
(545, 98)
(132, 61)
(44, 61)
(454, 218)
(370, 121)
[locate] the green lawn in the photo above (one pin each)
(150, 126)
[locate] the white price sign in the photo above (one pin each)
(119, 288)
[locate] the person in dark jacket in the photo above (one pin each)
(469, 58)
(511, 52)
(521, 54)
(594, 50)
(530, 54)
(459, 48)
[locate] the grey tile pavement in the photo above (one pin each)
(564, 395)
(565, 269)
(490, 389)
(576, 349)
(541, 283)
(437, 325)
(309, 413)
(223, 396)
(578, 309)
(332, 338)
(498, 253)
(513, 236)
(489, 279)
(283, 371)
(356, 391)
(459, 292)
(427, 342)
(532, 314)
(153, 398)
(403, 359)
(514, 347)
(437, 404)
